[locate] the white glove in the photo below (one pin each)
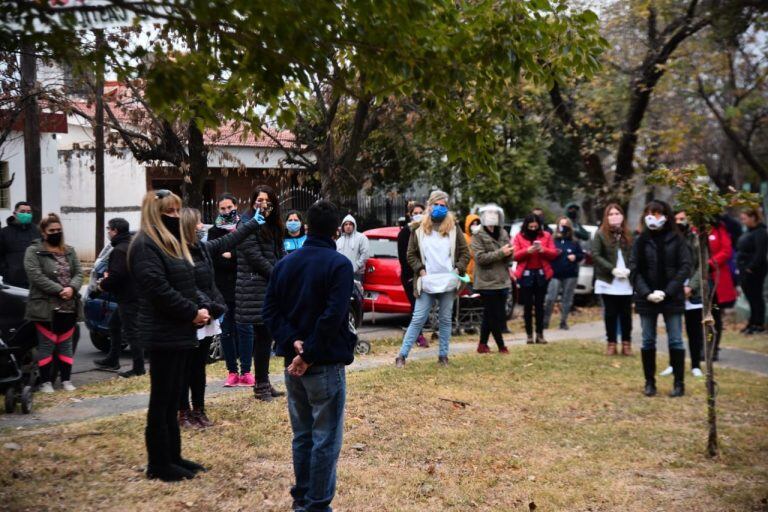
(621, 273)
(656, 296)
(661, 294)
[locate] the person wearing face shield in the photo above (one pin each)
(660, 265)
(493, 255)
(14, 240)
(566, 272)
(610, 252)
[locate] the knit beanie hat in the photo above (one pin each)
(436, 196)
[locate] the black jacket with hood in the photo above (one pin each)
(14, 240)
(119, 281)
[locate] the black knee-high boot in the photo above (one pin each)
(649, 369)
(677, 359)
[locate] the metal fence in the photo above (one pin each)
(370, 211)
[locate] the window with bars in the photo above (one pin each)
(5, 193)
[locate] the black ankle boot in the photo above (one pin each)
(649, 369)
(169, 473)
(677, 360)
(191, 466)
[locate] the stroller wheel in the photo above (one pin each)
(363, 347)
(10, 400)
(26, 399)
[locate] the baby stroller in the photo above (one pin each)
(18, 368)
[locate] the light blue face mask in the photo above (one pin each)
(293, 226)
(439, 212)
(24, 218)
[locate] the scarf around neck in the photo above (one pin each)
(228, 222)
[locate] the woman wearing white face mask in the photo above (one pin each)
(412, 221)
(610, 253)
(661, 264)
(493, 255)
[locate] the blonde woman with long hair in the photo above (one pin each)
(169, 316)
(210, 298)
(438, 255)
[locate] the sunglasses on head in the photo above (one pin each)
(162, 193)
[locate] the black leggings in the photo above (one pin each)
(695, 334)
(494, 316)
(752, 286)
(533, 296)
(618, 311)
(166, 378)
(262, 351)
(194, 377)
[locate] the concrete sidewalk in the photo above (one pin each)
(92, 408)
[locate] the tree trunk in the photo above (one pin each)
(709, 340)
(198, 168)
(32, 163)
(98, 134)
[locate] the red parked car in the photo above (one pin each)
(382, 290)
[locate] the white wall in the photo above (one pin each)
(13, 153)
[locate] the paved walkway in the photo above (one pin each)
(92, 408)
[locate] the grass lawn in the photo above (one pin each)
(755, 342)
(559, 426)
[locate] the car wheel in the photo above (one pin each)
(100, 341)
(214, 352)
(352, 321)
(362, 348)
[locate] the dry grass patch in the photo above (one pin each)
(560, 426)
(754, 342)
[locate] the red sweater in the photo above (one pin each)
(534, 260)
(720, 251)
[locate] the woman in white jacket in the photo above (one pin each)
(438, 255)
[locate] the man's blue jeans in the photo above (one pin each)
(316, 408)
(674, 324)
(421, 314)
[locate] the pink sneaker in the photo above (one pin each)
(247, 380)
(233, 379)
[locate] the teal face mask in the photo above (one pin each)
(24, 218)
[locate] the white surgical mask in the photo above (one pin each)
(653, 223)
(475, 229)
(417, 217)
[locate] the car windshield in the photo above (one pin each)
(382, 248)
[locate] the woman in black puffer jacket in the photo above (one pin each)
(168, 319)
(256, 257)
(211, 299)
(660, 264)
(753, 267)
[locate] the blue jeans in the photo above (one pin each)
(674, 323)
(316, 408)
(244, 346)
(421, 314)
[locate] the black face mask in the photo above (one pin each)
(572, 214)
(565, 231)
(172, 224)
(54, 239)
(682, 226)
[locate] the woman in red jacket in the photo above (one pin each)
(533, 250)
(720, 252)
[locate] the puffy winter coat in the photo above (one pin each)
(753, 246)
(720, 252)
(168, 299)
(44, 288)
(535, 259)
(648, 273)
(562, 267)
(203, 254)
(491, 265)
(15, 238)
(256, 258)
(353, 246)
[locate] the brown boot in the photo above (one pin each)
(529, 341)
(201, 418)
(186, 421)
(540, 338)
(611, 350)
(626, 348)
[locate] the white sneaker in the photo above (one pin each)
(666, 372)
(68, 386)
(46, 387)
(697, 372)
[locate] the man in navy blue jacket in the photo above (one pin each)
(306, 309)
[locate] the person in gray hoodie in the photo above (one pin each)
(353, 245)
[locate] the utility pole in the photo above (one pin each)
(32, 164)
(98, 133)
